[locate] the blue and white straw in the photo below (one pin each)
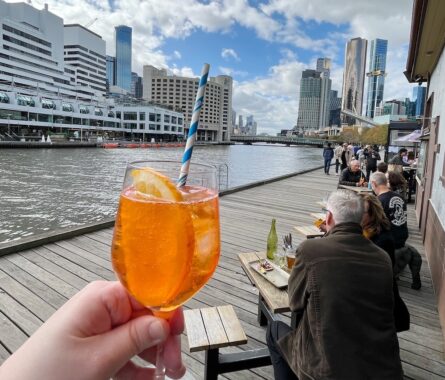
(199, 101)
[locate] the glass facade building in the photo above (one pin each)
(111, 66)
(354, 77)
(123, 35)
(419, 94)
(376, 75)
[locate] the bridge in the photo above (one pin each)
(281, 140)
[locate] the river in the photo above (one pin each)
(46, 189)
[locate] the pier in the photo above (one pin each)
(39, 278)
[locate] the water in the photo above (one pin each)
(47, 189)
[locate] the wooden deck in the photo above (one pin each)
(34, 283)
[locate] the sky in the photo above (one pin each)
(263, 44)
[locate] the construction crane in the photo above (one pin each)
(89, 23)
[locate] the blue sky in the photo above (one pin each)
(264, 45)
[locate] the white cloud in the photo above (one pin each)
(232, 72)
(177, 54)
(229, 53)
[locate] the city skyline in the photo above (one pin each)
(232, 37)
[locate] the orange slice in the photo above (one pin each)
(150, 182)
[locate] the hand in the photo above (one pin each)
(94, 336)
(322, 227)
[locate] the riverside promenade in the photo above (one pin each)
(37, 281)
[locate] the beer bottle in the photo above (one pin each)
(272, 241)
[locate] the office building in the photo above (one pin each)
(324, 67)
(314, 104)
(180, 92)
(354, 77)
(136, 86)
(111, 71)
(419, 94)
(32, 53)
(376, 75)
(335, 109)
(48, 83)
(84, 52)
(123, 38)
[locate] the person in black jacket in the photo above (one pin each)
(372, 157)
(353, 176)
(328, 155)
(376, 227)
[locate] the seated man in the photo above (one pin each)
(353, 176)
(395, 210)
(342, 291)
(398, 158)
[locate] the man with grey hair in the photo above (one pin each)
(352, 175)
(341, 291)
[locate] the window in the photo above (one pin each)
(130, 115)
(152, 127)
(4, 98)
(24, 100)
(67, 107)
(167, 118)
(110, 114)
(48, 104)
(174, 119)
(152, 117)
(180, 120)
(141, 115)
(98, 112)
(83, 109)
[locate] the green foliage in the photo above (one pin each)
(375, 135)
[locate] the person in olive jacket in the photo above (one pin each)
(341, 289)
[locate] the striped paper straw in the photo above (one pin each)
(193, 126)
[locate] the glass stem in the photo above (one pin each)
(160, 368)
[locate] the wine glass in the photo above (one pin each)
(166, 241)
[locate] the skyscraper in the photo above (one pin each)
(111, 70)
(315, 91)
(419, 93)
(136, 85)
(324, 67)
(376, 75)
(354, 76)
(123, 56)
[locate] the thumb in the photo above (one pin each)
(119, 345)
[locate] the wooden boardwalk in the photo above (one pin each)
(34, 283)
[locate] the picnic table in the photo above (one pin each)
(310, 231)
(271, 300)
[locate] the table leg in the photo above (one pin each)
(262, 319)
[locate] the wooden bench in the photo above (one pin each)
(210, 329)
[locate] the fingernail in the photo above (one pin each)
(157, 331)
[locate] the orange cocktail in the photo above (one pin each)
(166, 241)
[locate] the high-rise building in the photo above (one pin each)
(376, 75)
(315, 92)
(335, 109)
(419, 94)
(111, 70)
(354, 77)
(84, 52)
(136, 86)
(123, 36)
(240, 121)
(180, 92)
(324, 67)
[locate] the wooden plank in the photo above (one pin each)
(196, 332)
(4, 353)
(309, 231)
(10, 335)
(232, 326)
(215, 330)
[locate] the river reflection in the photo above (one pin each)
(46, 189)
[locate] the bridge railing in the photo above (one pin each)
(281, 140)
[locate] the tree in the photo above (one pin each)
(375, 135)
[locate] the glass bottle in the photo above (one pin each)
(272, 241)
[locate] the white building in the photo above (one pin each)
(32, 54)
(40, 93)
(180, 92)
(84, 52)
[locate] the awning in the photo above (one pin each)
(4, 98)
(412, 137)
